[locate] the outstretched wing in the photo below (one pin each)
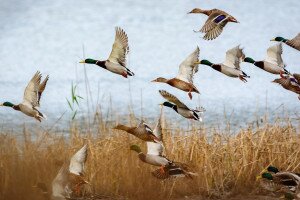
(78, 160)
(60, 181)
(32, 89)
(173, 99)
(295, 42)
(156, 148)
(42, 87)
(286, 84)
(120, 48)
(234, 57)
(188, 68)
(274, 55)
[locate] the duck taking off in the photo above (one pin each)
(290, 82)
(217, 20)
(142, 131)
(155, 156)
(116, 63)
(273, 62)
(231, 66)
(184, 79)
(179, 107)
(32, 97)
(294, 43)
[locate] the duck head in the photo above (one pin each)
(265, 175)
(135, 148)
(249, 60)
(167, 104)
(7, 104)
(195, 10)
(232, 19)
(279, 39)
(160, 80)
(272, 169)
(204, 62)
(89, 61)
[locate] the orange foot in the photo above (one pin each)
(124, 74)
(281, 74)
(162, 170)
(77, 189)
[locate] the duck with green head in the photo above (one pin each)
(32, 97)
(116, 63)
(184, 79)
(294, 43)
(231, 66)
(154, 156)
(179, 107)
(275, 181)
(273, 62)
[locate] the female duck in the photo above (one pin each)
(184, 79)
(32, 97)
(217, 20)
(290, 82)
(116, 63)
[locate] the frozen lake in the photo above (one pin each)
(50, 35)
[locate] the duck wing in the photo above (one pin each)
(295, 42)
(156, 148)
(42, 87)
(31, 91)
(297, 77)
(188, 68)
(173, 99)
(234, 57)
(59, 182)
(77, 161)
(120, 48)
(274, 55)
(286, 84)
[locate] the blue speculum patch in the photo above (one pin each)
(219, 18)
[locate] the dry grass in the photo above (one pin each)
(226, 164)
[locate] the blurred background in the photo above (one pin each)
(52, 36)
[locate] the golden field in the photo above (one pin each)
(227, 164)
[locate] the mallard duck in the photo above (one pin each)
(179, 107)
(116, 63)
(273, 62)
(184, 79)
(281, 182)
(155, 157)
(231, 65)
(295, 42)
(142, 131)
(217, 20)
(70, 178)
(32, 97)
(290, 82)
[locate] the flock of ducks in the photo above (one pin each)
(70, 178)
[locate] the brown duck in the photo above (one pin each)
(217, 20)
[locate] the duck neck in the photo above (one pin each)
(101, 64)
(142, 156)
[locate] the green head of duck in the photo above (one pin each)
(8, 104)
(272, 169)
(249, 60)
(135, 148)
(279, 39)
(89, 61)
(167, 104)
(206, 62)
(267, 175)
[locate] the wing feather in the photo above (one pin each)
(42, 87)
(120, 48)
(188, 68)
(32, 89)
(173, 99)
(295, 42)
(78, 160)
(274, 55)
(234, 57)
(156, 148)
(286, 84)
